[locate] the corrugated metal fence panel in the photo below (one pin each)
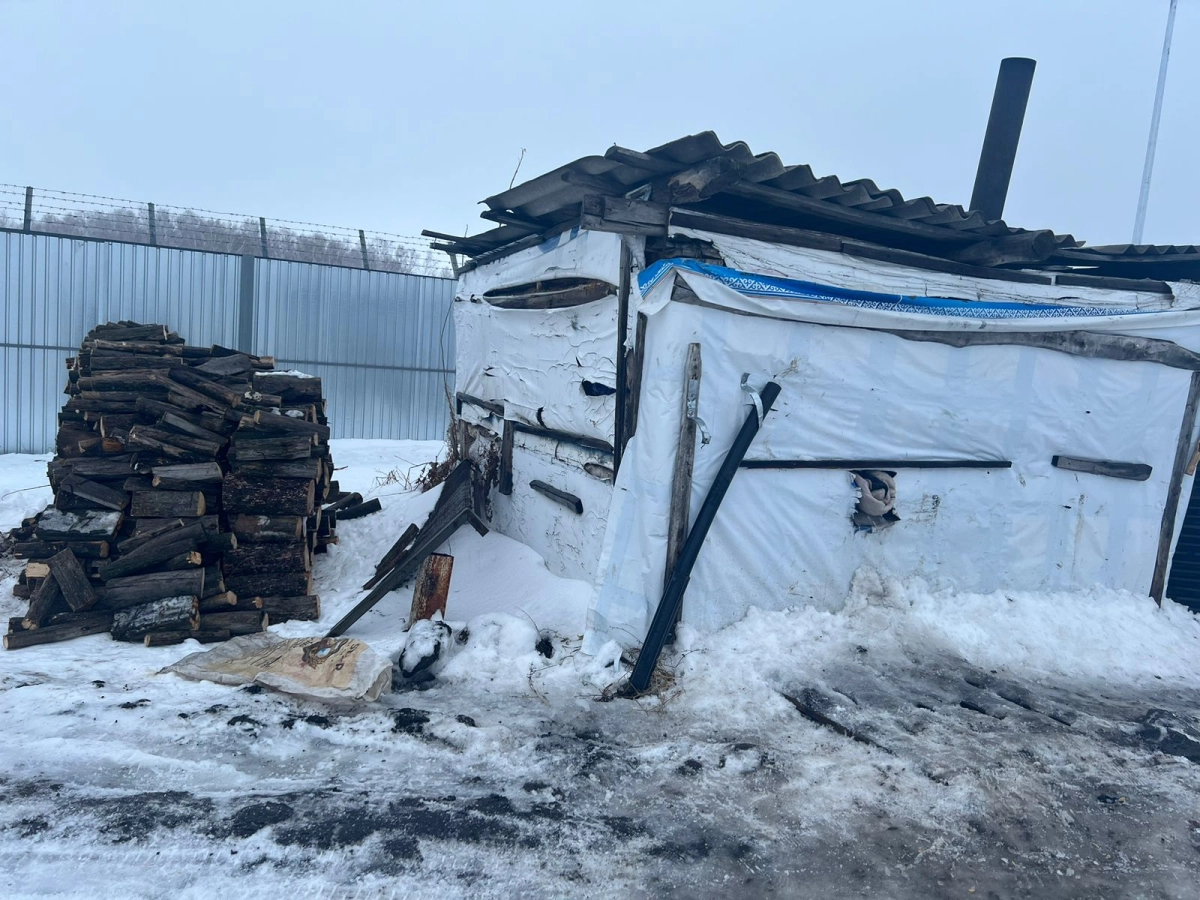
(54, 290)
(383, 343)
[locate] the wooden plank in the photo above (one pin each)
(633, 393)
(1130, 471)
(1090, 344)
(389, 560)
(1023, 248)
(623, 216)
(492, 406)
(72, 581)
(876, 464)
(506, 459)
(432, 587)
(619, 412)
(570, 501)
(568, 437)
(679, 515)
(1183, 450)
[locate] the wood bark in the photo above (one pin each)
(309, 469)
(172, 444)
(679, 515)
(185, 477)
(54, 633)
(178, 613)
(203, 636)
(197, 381)
(153, 504)
(292, 388)
(268, 529)
(214, 582)
(306, 608)
(268, 496)
(359, 510)
(98, 494)
(46, 549)
(72, 581)
(122, 593)
(272, 584)
(228, 602)
(42, 603)
(245, 622)
(263, 558)
(432, 587)
(283, 446)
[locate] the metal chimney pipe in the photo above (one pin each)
(1003, 133)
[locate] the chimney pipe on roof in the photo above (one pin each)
(1003, 133)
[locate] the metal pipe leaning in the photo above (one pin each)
(672, 598)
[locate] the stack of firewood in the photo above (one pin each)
(188, 492)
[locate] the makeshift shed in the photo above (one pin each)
(980, 405)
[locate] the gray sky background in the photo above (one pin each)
(402, 116)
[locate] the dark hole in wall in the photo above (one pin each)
(596, 389)
(551, 293)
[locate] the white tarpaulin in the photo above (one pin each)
(784, 537)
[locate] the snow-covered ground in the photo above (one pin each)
(973, 746)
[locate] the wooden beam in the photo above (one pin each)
(679, 515)
(568, 437)
(492, 406)
(699, 182)
(507, 218)
(1183, 450)
(1092, 344)
(1026, 247)
(622, 216)
(570, 501)
(876, 464)
(640, 160)
(623, 288)
(506, 460)
(1130, 471)
(633, 392)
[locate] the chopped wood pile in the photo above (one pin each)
(188, 492)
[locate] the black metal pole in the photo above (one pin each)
(1002, 136)
(672, 598)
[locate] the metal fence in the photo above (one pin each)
(382, 342)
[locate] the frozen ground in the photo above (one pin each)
(973, 746)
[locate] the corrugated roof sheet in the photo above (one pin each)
(760, 187)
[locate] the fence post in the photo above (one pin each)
(262, 236)
(28, 226)
(245, 324)
(153, 229)
(362, 242)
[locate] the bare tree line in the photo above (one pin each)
(189, 230)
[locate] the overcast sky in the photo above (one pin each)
(401, 116)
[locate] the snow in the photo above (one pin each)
(504, 775)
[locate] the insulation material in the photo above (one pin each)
(857, 273)
(785, 537)
(572, 254)
(569, 542)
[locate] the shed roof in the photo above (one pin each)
(700, 173)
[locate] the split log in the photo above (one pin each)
(178, 613)
(162, 531)
(136, 483)
(268, 529)
(155, 504)
(54, 525)
(293, 388)
(171, 444)
(359, 510)
(237, 622)
(189, 559)
(153, 348)
(214, 582)
(96, 468)
(53, 633)
(264, 558)
(432, 587)
(37, 570)
(273, 584)
(98, 494)
(72, 581)
(202, 635)
(185, 477)
(272, 421)
(281, 609)
(285, 446)
(226, 366)
(122, 593)
(46, 549)
(42, 603)
(268, 496)
(155, 552)
(111, 331)
(197, 381)
(227, 602)
(344, 502)
(309, 469)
